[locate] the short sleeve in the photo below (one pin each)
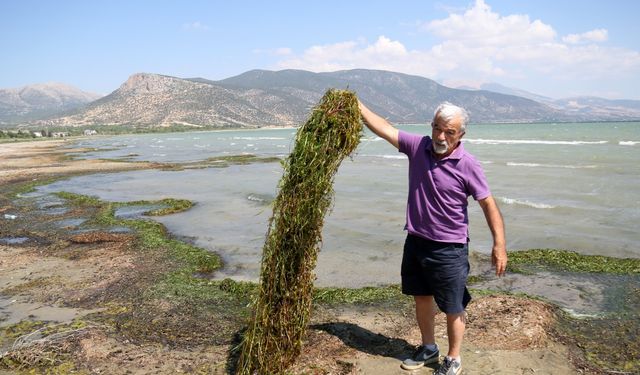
(408, 143)
(477, 184)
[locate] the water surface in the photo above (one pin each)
(565, 186)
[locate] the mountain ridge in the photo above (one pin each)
(259, 98)
(40, 100)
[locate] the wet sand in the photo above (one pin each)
(57, 277)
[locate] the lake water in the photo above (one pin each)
(564, 186)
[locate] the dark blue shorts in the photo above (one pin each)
(437, 269)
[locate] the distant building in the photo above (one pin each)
(37, 134)
(90, 132)
(59, 134)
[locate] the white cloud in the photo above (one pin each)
(197, 26)
(283, 51)
(480, 45)
(479, 25)
(597, 35)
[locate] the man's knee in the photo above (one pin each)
(457, 317)
(426, 304)
(425, 301)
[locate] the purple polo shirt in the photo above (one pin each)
(438, 190)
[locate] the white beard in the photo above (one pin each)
(440, 147)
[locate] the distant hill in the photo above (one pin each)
(157, 100)
(580, 108)
(599, 108)
(495, 87)
(284, 98)
(401, 98)
(40, 100)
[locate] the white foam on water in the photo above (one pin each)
(578, 315)
(628, 143)
(536, 165)
(260, 138)
(525, 203)
(392, 156)
(254, 198)
(532, 142)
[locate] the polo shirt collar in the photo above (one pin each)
(455, 155)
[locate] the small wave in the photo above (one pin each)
(525, 203)
(372, 139)
(628, 143)
(255, 198)
(260, 199)
(392, 156)
(260, 138)
(531, 142)
(579, 315)
(535, 165)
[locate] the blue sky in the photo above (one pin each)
(557, 48)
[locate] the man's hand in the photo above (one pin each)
(499, 260)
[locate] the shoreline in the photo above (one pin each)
(505, 332)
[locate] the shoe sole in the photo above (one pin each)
(421, 365)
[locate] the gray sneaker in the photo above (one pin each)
(422, 356)
(449, 367)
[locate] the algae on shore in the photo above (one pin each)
(572, 261)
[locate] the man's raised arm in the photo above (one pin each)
(378, 125)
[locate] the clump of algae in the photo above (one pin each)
(273, 339)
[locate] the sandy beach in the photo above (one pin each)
(74, 301)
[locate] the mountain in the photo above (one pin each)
(284, 98)
(593, 107)
(580, 108)
(401, 98)
(495, 87)
(158, 100)
(40, 100)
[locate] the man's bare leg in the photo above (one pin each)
(425, 315)
(455, 330)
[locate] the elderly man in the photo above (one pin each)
(435, 266)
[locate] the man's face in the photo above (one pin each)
(445, 135)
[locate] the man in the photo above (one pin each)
(442, 175)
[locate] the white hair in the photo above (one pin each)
(448, 112)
